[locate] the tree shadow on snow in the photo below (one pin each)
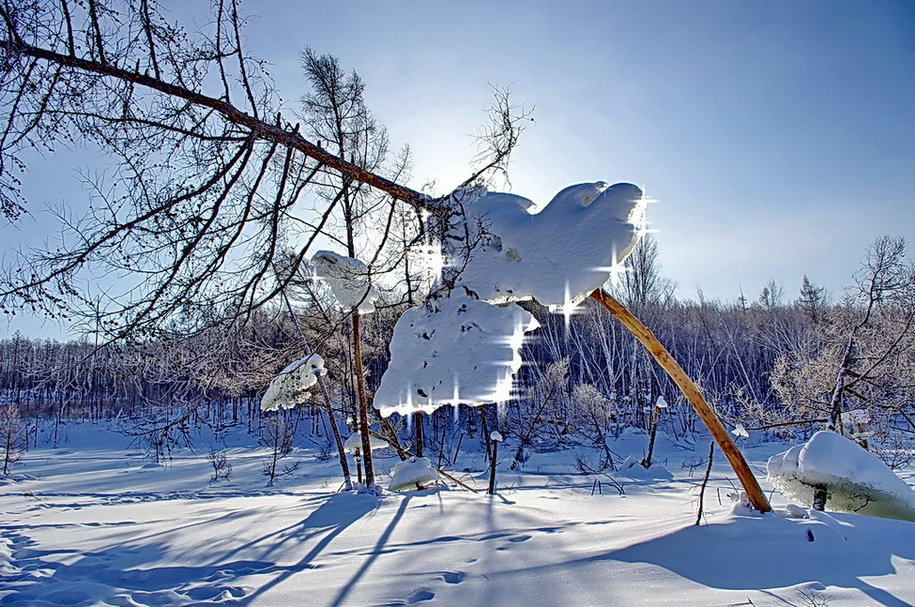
(115, 575)
(120, 573)
(334, 515)
(377, 550)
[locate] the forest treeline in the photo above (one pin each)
(777, 363)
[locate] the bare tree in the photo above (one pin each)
(859, 358)
(812, 300)
(641, 283)
(210, 184)
(204, 187)
(335, 113)
(12, 436)
(278, 436)
(771, 295)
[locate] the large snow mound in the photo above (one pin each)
(856, 479)
(557, 256)
(412, 472)
(349, 279)
(450, 351)
(290, 387)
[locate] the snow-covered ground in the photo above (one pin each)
(92, 522)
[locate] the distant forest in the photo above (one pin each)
(778, 364)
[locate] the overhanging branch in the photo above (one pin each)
(260, 129)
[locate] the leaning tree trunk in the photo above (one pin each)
(692, 394)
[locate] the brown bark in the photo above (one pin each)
(363, 405)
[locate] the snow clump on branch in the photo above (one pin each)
(453, 350)
(349, 280)
(353, 443)
(557, 256)
(290, 387)
(464, 348)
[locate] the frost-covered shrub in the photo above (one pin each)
(278, 436)
(222, 469)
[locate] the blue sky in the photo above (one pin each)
(778, 138)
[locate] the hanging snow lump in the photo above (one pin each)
(450, 351)
(349, 279)
(290, 386)
(353, 443)
(557, 256)
(856, 480)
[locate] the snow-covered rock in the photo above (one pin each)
(290, 387)
(349, 279)
(559, 255)
(453, 350)
(856, 479)
(412, 472)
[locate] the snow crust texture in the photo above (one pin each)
(559, 255)
(91, 523)
(290, 387)
(453, 350)
(856, 479)
(349, 279)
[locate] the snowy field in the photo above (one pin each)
(92, 522)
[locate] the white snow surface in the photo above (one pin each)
(409, 473)
(349, 279)
(290, 387)
(856, 479)
(559, 255)
(453, 350)
(91, 523)
(353, 443)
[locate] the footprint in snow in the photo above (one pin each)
(420, 595)
(453, 577)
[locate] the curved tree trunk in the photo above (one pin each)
(692, 394)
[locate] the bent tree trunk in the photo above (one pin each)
(691, 392)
